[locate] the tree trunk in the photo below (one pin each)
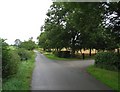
(90, 52)
(57, 49)
(83, 56)
(44, 49)
(73, 47)
(73, 52)
(118, 50)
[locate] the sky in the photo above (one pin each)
(22, 19)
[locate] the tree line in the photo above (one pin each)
(79, 25)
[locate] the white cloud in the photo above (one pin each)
(22, 19)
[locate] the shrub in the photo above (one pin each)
(24, 54)
(63, 54)
(14, 61)
(107, 60)
(10, 60)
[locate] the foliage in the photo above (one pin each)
(28, 45)
(10, 60)
(107, 60)
(112, 14)
(17, 42)
(43, 41)
(20, 81)
(14, 61)
(81, 25)
(24, 54)
(110, 78)
(0, 49)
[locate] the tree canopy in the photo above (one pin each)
(28, 45)
(78, 25)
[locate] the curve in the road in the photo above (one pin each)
(63, 75)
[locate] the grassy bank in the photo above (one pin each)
(21, 80)
(109, 78)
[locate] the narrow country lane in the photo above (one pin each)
(63, 75)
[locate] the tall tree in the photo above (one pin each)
(17, 42)
(79, 25)
(112, 23)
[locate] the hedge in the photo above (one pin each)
(63, 54)
(10, 61)
(108, 60)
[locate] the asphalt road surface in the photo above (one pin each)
(63, 75)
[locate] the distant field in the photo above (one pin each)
(83, 51)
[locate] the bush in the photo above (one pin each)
(10, 60)
(20, 81)
(14, 61)
(63, 54)
(107, 60)
(24, 54)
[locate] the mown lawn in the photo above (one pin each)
(109, 78)
(21, 80)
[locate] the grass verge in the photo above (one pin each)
(109, 78)
(21, 80)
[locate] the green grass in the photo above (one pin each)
(109, 78)
(21, 80)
